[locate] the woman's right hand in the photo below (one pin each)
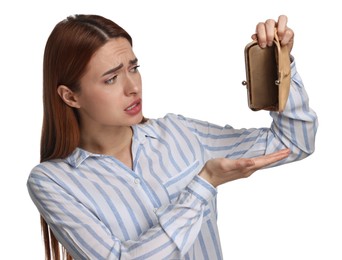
(221, 170)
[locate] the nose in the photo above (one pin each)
(132, 84)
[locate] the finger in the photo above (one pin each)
(260, 32)
(281, 26)
(243, 163)
(270, 24)
(225, 164)
(269, 159)
(287, 37)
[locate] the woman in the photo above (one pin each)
(114, 185)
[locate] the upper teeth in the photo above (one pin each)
(129, 108)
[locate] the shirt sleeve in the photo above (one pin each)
(294, 128)
(85, 236)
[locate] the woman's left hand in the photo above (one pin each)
(264, 32)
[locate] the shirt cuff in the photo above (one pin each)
(201, 189)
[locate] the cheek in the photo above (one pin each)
(101, 104)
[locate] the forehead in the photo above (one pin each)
(114, 52)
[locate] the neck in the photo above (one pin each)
(115, 142)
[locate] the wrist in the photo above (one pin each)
(204, 174)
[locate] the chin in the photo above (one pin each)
(137, 120)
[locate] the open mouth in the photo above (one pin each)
(134, 108)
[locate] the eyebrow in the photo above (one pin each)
(113, 70)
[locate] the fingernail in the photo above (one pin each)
(263, 45)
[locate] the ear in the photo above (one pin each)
(68, 96)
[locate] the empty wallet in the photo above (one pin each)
(268, 76)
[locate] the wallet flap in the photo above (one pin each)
(284, 72)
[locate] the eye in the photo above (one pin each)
(111, 80)
(135, 68)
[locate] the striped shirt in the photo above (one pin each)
(98, 208)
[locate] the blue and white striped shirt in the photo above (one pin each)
(100, 209)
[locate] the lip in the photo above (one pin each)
(134, 108)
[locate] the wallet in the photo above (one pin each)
(268, 76)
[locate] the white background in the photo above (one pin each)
(191, 57)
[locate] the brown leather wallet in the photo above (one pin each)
(268, 76)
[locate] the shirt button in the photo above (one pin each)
(136, 181)
(155, 210)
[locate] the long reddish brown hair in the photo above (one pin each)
(68, 50)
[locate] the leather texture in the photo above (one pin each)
(268, 76)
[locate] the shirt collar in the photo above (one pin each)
(140, 133)
(77, 157)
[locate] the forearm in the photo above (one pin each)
(85, 236)
(178, 226)
(296, 127)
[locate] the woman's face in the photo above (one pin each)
(110, 93)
